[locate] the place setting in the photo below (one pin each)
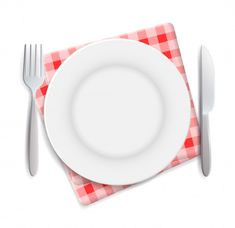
(118, 111)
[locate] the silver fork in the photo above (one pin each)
(33, 78)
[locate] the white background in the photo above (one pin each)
(181, 197)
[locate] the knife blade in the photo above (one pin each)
(206, 103)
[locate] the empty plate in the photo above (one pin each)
(117, 111)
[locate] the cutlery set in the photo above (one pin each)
(76, 134)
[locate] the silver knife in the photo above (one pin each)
(206, 103)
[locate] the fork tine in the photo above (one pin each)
(41, 67)
(35, 60)
(24, 65)
(30, 60)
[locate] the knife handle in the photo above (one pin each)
(205, 146)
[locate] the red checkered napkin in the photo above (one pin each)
(161, 37)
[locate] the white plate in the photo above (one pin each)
(117, 112)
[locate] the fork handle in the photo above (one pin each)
(32, 139)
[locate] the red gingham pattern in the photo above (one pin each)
(161, 37)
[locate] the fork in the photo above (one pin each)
(33, 78)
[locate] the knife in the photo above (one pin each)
(206, 103)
